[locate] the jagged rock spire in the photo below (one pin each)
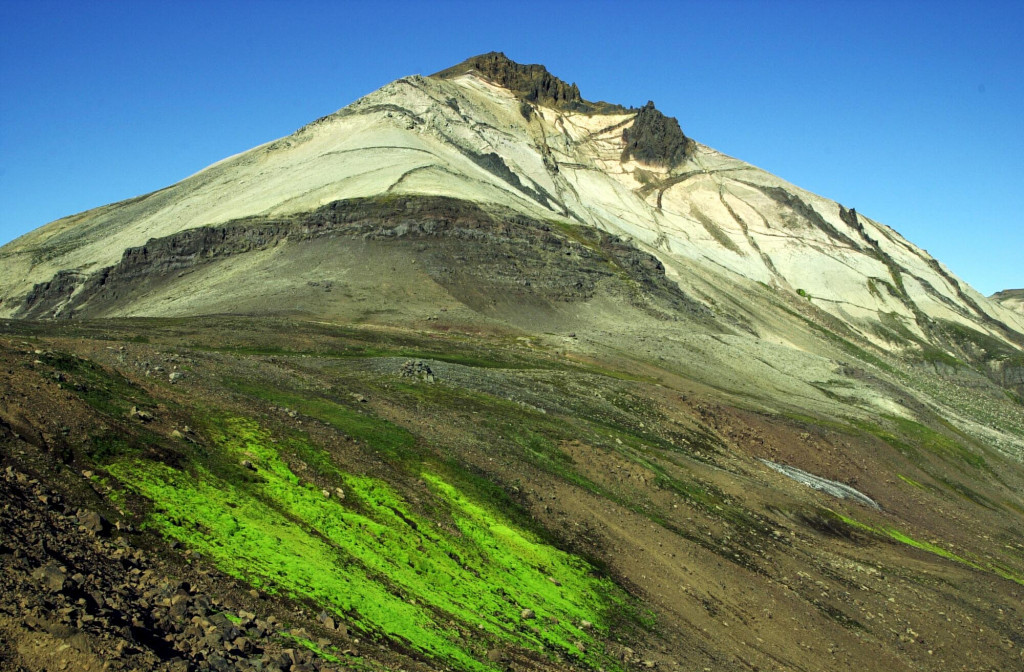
(655, 138)
(532, 82)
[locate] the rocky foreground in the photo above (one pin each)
(244, 494)
(76, 594)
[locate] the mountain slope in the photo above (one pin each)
(753, 258)
(371, 496)
(462, 136)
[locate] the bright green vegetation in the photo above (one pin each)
(450, 586)
(895, 534)
(909, 481)
(903, 538)
(537, 438)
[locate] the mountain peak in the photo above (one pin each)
(654, 138)
(531, 82)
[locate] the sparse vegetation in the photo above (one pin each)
(908, 480)
(934, 549)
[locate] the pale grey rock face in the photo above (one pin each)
(704, 216)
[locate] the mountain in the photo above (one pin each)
(728, 234)
(477, 373)
(1012, 299)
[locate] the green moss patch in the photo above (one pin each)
(450, 594)
(904, 538)
(909, 481)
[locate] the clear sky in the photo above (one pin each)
(912, 112)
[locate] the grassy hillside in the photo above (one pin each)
(384, 498)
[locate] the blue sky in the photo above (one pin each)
(912, 112)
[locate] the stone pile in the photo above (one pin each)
(418, 369)
(68, 576)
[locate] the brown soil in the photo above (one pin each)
(736, 567)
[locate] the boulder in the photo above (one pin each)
(93, 522)
(52, 576)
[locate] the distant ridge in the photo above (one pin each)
(1010, 298)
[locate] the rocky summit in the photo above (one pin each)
(478, 374)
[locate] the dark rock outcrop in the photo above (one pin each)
(531, 82)
(656, 139)
(55, 292)
(479, 256)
